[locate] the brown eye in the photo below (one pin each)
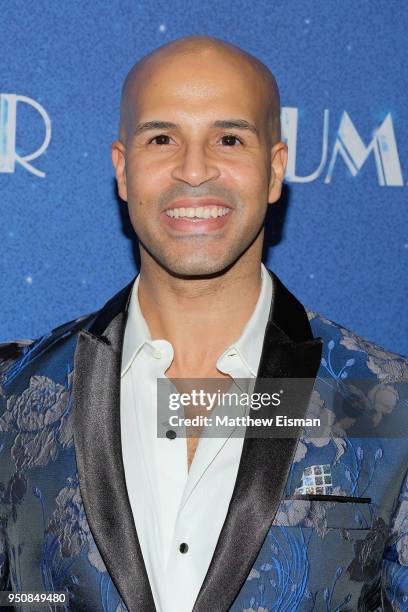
(160, 138)
(230, 139)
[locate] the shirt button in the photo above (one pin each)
(183, 548)
(170, 434)
(157, 354)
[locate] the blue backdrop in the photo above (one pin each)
(67, 245)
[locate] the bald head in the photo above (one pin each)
(259, 77)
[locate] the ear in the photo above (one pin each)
(279, 159)
(119, 162)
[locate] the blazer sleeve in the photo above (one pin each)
(4, 558)
(10, 352)
(394, 576)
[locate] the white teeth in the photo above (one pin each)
(202, 212)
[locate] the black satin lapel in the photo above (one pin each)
(288, 314)
(97, 436)
(264, 464)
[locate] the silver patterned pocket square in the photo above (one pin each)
(316, 480)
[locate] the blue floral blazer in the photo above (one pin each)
(315, 522)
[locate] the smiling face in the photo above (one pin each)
(196, 160)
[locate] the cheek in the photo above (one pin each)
(139, 186)
(252, 188)
(145, 180)
(249, 177)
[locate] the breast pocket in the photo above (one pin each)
(325, 512)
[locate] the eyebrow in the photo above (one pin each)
(237, 124)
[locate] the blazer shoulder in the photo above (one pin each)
(12, 349)
(351, 340)
(15, 352)
(10, 353)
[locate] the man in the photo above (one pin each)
(94, 502)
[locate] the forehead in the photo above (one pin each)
(192, 85)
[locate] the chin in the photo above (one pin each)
(197, 262)
(196, 268)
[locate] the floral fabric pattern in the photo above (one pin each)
(344, 551)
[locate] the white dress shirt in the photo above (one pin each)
(172, 505)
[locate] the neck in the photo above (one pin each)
(199, 317)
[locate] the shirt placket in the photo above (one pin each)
(190, 554)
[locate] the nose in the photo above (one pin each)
(195, 166)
